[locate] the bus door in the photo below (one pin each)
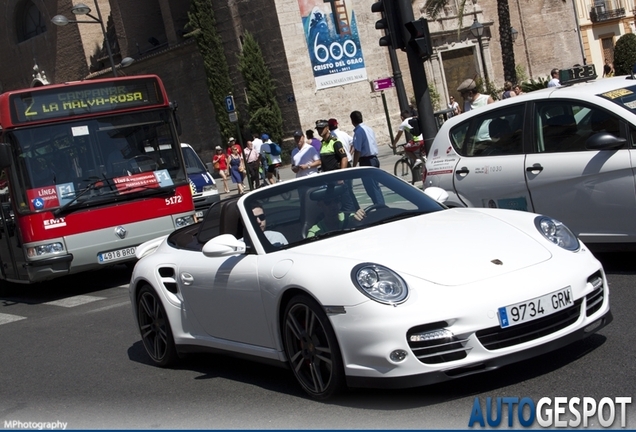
(9, 239)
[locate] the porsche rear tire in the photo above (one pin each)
(154, 328)
(312, 348)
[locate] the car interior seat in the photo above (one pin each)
(559, 132)
(230, 220)
(310, 212)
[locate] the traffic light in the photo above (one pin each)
(420, 39)
(391, 23)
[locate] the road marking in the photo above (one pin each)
(6, 318)
(74, 301)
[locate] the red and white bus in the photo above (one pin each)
(90, 170)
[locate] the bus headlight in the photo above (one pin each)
(183, 221)
(45, 250)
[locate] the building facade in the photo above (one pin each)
(323, 55)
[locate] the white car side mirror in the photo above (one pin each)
(438, 194)
(225, 244)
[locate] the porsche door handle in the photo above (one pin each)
(535, 167)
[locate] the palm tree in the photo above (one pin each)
(434, 7)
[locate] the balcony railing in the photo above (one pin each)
(607, 10)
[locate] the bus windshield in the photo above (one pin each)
(88, 162)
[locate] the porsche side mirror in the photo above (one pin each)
(225, 244)
(604, 141)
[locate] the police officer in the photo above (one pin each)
(332, 153)
(332, 157)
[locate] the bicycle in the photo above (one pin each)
(404, 169)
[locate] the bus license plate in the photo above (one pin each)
(116, 255)
(536, 308)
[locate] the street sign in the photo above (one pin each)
(233, 117)
(383, 84)
(229, 103)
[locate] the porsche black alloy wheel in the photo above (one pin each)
(311, 348)
(155, 328)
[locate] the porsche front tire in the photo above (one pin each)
(312, 349)
(154, 327)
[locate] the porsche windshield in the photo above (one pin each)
(94, 160)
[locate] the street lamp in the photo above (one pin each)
(82, 9)
(477, 30)
(513, 34)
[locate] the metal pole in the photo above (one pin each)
(388, 117)
(403, 100)
(110, 53)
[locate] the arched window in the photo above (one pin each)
(29, 21)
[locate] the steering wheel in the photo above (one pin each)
(141, 162)
(375, 207)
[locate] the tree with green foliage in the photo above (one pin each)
(264, 112)
(625, 54)
(203, 28)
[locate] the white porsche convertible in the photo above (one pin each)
(356, 278)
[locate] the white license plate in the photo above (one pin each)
(116, 255)
(199, 214)
(536, 308)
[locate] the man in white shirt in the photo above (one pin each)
(257, 142)
(554, 82)
(305, 158)
(343, 137)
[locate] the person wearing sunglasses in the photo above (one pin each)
(274, 237)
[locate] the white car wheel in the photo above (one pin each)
(154, 327)
(312, 349)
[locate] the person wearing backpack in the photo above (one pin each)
(271, 153)
(414, 138)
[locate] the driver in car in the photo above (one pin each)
(333, 219)
(274, 237)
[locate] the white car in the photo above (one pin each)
(568, 152)
(402, 294)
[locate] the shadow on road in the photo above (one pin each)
(618, 262)
(281, 380)
(64, 287)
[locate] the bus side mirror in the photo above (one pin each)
(5, 155)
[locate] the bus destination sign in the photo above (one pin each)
(45, 103)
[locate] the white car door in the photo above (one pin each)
(490, 172)
(225, 297)
(591, 191)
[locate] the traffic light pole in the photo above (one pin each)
(403, 100)
(426, 116)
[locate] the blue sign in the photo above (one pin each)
(229, 103)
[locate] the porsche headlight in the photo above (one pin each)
(379, 283)
(557, 233)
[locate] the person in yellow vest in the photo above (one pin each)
(332, 152)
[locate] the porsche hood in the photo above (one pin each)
(452, 247)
